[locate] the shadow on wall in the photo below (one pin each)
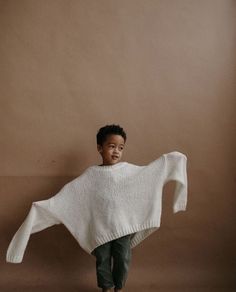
(56, 263)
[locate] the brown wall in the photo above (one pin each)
(163, 70)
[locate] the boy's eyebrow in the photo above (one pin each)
(115, 143)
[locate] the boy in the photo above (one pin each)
(110, 144)
(110, 208)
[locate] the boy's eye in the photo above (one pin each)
(112, 146)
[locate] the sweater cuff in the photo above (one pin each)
(179, 207)
(14, 259)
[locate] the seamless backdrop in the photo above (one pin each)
(163, 70)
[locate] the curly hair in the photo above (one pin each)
(109, 130)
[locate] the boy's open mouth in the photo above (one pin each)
(115, 157)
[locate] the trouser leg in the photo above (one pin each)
(103, 265)
(121, 252)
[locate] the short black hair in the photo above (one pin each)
(109, 130)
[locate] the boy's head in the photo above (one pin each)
(110, 143)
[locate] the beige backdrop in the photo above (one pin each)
(165, 71)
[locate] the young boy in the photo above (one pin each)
(110, 144)
(110, 208)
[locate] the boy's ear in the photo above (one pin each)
(99, 148)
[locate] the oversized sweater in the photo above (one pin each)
(107, 202)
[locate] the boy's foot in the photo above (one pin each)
(106, 290)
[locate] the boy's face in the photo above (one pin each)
(111, 150)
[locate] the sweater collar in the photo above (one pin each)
(109, 167)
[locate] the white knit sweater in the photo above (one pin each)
(107, 202)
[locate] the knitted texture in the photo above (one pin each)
(107, 202)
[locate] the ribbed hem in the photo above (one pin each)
(142, 231)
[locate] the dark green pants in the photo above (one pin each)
(119, 250)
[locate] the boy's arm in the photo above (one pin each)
(38, 219)
(175, 169)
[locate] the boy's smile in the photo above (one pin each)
(111, 150)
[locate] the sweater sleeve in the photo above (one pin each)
(38, 219)
(175, 169)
